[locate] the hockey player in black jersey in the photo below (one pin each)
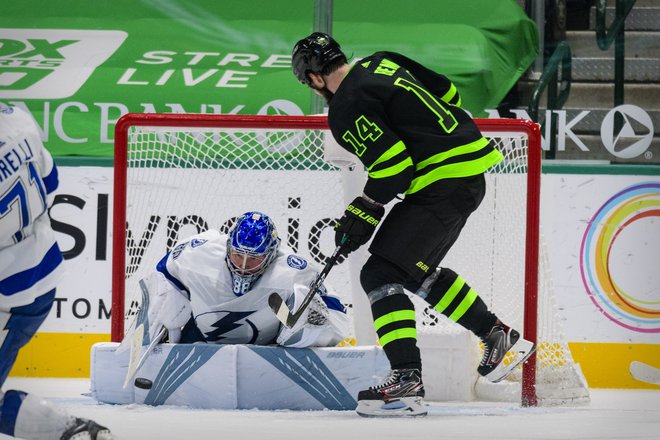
(405, 124)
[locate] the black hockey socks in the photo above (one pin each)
(394, 321)
(454, 298)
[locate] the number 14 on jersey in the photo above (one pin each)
(366, 131)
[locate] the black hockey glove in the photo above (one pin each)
(358, 223)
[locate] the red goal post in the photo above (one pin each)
(245, 123)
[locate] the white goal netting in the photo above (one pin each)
(180, 180)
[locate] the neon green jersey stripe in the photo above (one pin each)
(461, 169)
(401, 333)
(450, 94)
(393, 170)
(463, 306)
(456, 151)
(390, 153)
(399, 315)
(449, 296)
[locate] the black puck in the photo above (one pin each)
(143, 383)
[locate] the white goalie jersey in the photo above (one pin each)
(197, 269)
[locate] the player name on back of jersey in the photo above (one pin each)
(11, 161)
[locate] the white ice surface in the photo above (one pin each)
(612, 414)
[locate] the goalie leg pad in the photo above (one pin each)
(400, 407)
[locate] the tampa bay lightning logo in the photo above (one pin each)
(296, 262)
(197, 242)
(230, 321)
(177, 250)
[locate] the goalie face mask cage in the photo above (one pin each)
(251, 247)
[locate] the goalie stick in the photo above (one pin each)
(282, 311)
(645, 373)
(134, 363)
(135, 360)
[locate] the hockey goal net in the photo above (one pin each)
(179, 174)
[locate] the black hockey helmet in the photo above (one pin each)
(313, 54)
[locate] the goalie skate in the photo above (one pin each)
(500, 341)
(400, 395)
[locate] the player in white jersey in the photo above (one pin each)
(214, 288)
(30, 268)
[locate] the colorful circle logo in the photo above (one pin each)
(630, 308)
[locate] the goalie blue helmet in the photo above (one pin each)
(252, 245)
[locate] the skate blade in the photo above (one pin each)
(403, 407)
(523, 350)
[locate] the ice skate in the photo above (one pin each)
(500, 341)
(400, 395)
(84, 429)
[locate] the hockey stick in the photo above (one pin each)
(282, 311)
(135, 360)
(134, 363)
(645, 373)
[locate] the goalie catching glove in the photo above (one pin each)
(358, 223)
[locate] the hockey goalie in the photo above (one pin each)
(214, 288)
(205, 306)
